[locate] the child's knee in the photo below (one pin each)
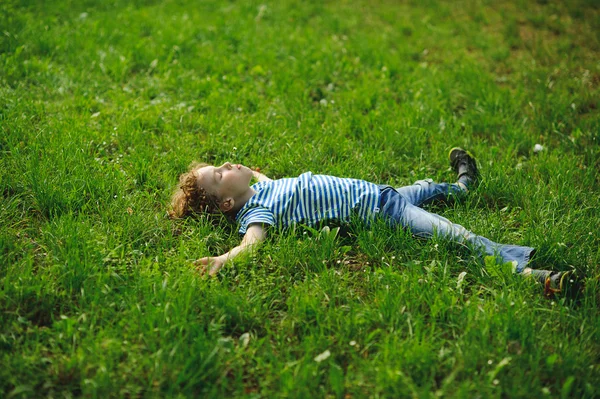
(423, 183)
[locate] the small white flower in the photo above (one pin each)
(245, 339)
(323, 356)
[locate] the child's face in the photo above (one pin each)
(225, 181)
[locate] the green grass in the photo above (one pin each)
(103, 104)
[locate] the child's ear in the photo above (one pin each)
(227, 204)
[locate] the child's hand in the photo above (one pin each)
(259, 176)
(210, 264)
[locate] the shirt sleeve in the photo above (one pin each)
(256, 215)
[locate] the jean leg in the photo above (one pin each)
(423, 192)
(425, 224)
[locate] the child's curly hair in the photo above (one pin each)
(191, 199)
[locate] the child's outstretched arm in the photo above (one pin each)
(212, 264)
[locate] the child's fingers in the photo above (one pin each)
(201, 268)
(202, 265)
(208, 265)
(202, 261)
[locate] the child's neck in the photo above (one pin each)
(242, 200)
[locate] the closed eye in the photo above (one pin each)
(216, 176)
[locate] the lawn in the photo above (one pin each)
(104, 103)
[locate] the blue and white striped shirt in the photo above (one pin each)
(309, 199)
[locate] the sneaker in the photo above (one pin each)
(567, 284)
(463, 163)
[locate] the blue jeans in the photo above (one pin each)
(401, 206)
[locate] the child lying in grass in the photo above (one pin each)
(313, 199)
